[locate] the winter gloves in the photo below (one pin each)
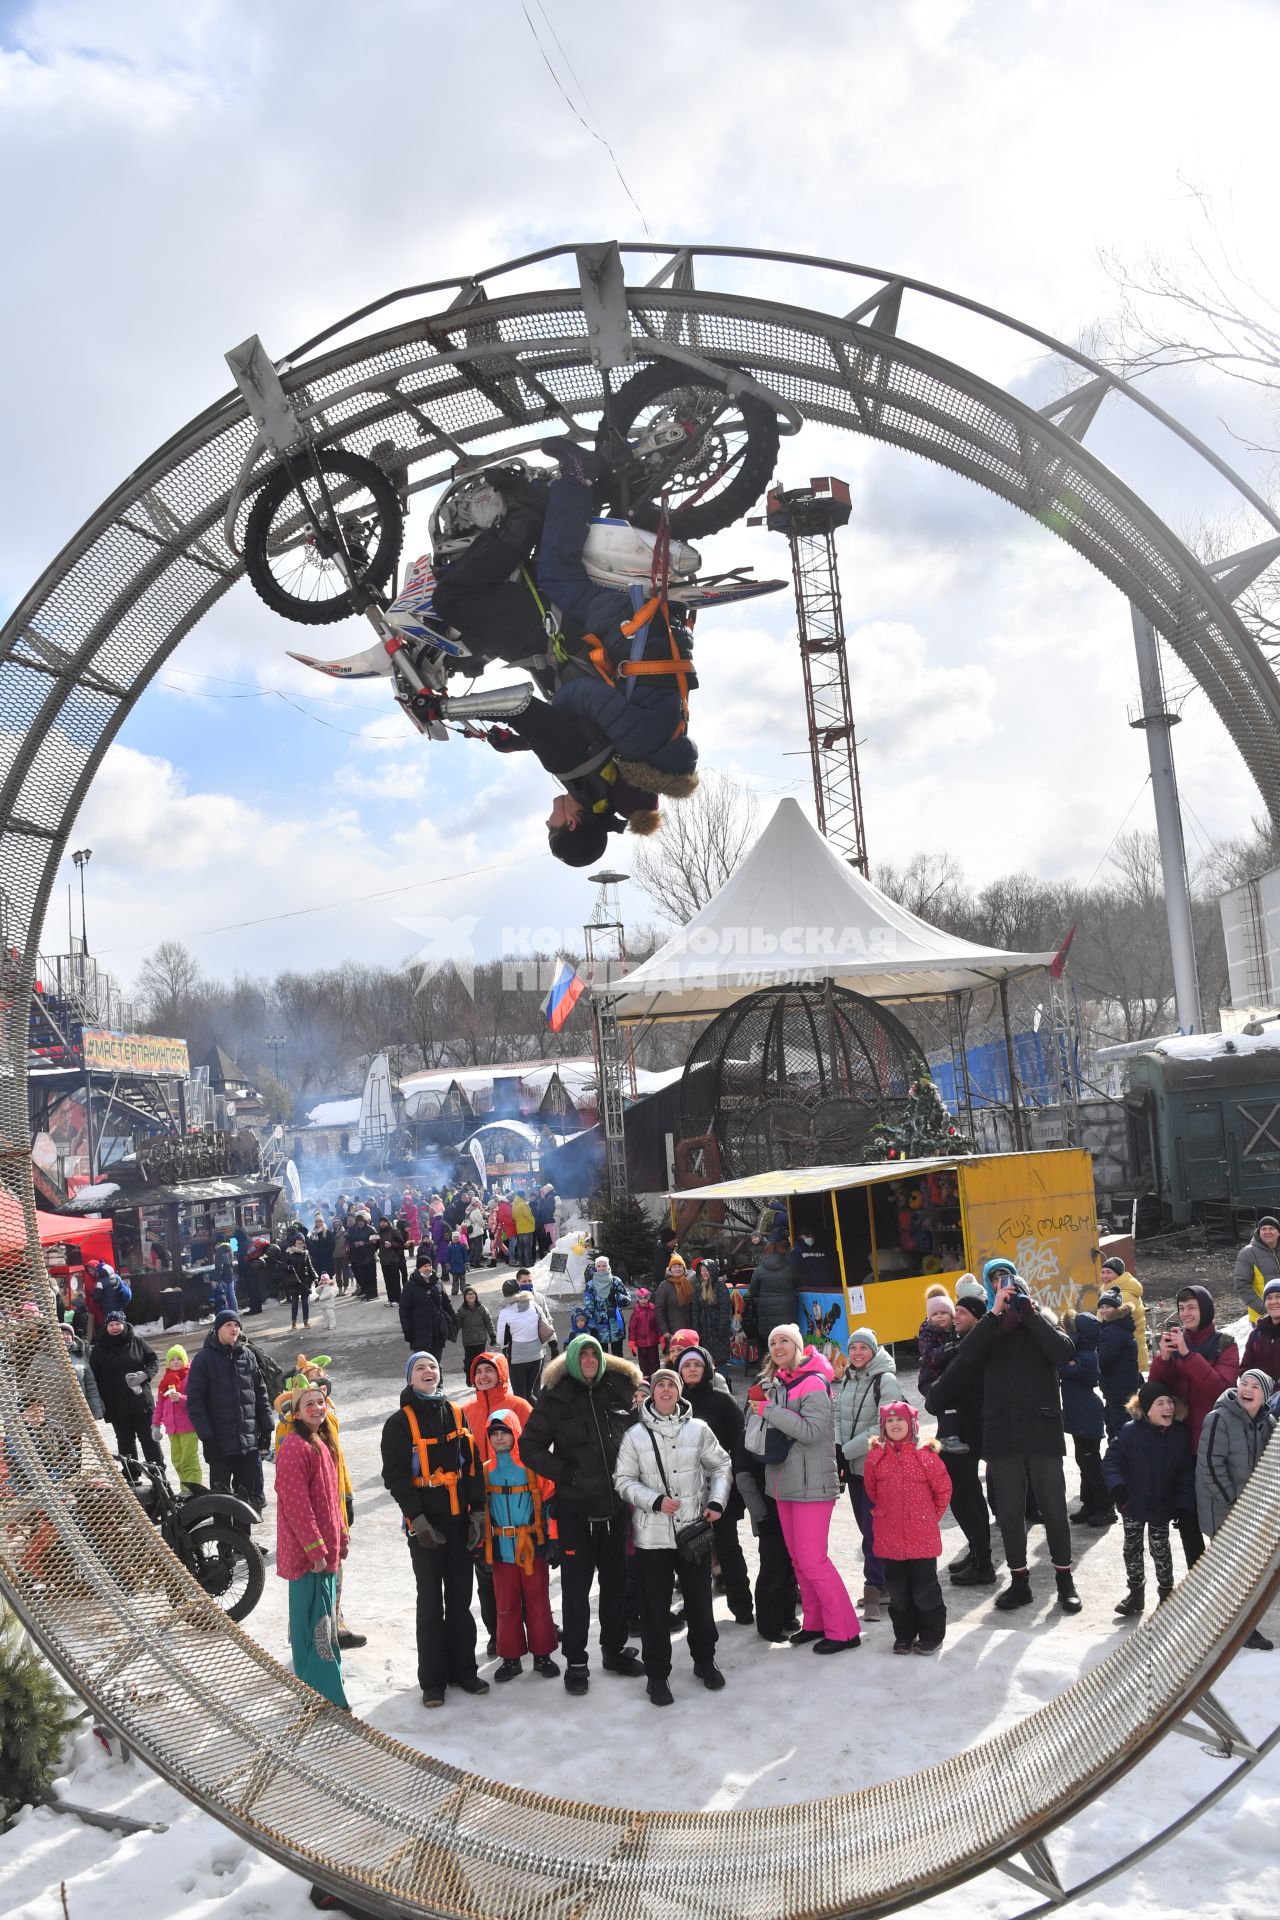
(424, 1533)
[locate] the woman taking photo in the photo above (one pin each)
(793, 1398)
(675, 1474)
(311, 1542)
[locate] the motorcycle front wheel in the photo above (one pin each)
(229, 1567)
(288, 554)
(731, 450)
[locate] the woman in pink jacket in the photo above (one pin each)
(793, 1398)
(909, 1490)
(311, 1543)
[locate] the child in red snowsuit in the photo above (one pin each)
(644, 1336)
(519, 1544)
(909, 1490)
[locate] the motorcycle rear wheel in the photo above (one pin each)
(229, 1567)
(287, 565)
(729, 465)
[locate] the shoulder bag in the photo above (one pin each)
(695, 1541)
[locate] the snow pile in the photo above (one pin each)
(1212, 1046)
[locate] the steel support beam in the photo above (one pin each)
(1157, 722)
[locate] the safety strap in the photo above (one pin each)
(524, 1537)
(550, 616)
(440, 1476)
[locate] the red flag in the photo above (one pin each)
(1059, 961)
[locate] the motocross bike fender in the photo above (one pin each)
(216, 1506)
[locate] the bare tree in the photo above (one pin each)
(698, 846)
(168, 982)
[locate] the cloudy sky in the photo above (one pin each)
(174, 178)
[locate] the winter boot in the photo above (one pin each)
(575, 461)
(978, 1573)
(1068, 1599)
(1162, 1594)
(509, 1669)
(961, 1561)
(1017, 1593)
(660, 1693)
(1260, 1643)
(546, 1666)
(576, 1680)
(627, 1662)
(1133, 1603)
(869, 1604)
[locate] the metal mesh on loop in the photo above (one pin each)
(195, 1696)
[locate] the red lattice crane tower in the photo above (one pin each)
(809, 517)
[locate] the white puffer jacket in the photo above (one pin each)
(697, 1469)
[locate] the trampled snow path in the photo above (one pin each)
(783, 1729)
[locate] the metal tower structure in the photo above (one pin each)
(606, 949)
(809, 517)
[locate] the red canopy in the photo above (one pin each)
(90, 1232)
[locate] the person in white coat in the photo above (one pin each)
(673, 1473)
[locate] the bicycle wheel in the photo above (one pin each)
(289, 556)
(229, 1567)
(732, 449)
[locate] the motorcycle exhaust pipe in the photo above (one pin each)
(501, 703)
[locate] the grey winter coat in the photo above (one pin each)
(808, 1420)
(858, 1400)
(772, 1295)
(1266, 1260)
(697, 1469)
(1231, 1444)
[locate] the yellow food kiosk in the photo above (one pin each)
(893, 1228)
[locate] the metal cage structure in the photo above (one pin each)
(464, 370)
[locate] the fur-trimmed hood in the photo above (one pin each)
(555, 1371)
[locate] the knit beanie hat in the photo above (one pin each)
(904, 1410)
(117, 1313)
(973, 1303)
(642, 1294)
(864, 1337)
(666, 1373)
(1272, 1286)
(789, 1327)
(696, 1352)
(937, 1296)
(412, 1362)
(1114, 1264)
(1111, 1297)
(1267, 1220)
(1150, 1391)
(969, 1287)
(226, 1318)
(1264, 1380)
(176, 1357)
(573, 1357)
(681, 1340)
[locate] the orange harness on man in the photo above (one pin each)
(527, 1538)
(438, 1476)
(678, 666)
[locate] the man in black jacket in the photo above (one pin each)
(230, 1410)
(1016, 1350)
(572, 1438)
(962, 1397)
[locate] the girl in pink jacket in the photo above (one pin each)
(311, 1542)
(909, 1489)
(171, 1417)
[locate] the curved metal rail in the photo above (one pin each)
(193, 1695)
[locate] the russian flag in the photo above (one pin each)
(567, 989)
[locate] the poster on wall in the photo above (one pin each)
(823, 1320)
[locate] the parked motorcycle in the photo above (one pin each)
(208, 1531)
(324, 534)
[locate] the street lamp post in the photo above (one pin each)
(82, 859)
(276, 1042)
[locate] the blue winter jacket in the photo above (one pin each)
(1155, 1468)
(510, 1507)
(1118, 1367)
(639, 725)
(1082, 1410)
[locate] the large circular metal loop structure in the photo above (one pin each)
(464, 369)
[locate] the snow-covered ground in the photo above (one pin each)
(752, 1745)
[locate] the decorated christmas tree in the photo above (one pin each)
(923, 1130)
(35, 1718)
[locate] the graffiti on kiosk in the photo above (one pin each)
(1035, 1247)
(1022, 1225)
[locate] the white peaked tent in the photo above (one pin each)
(794, 913)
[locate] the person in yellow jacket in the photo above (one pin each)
(1116, 1274)
(1257, 1262)
(525, 1226)
(311, 1373)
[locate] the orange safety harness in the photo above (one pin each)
(439, 1476)
(527, 1538)
(678, 665)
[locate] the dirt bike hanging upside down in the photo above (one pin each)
(601, 618)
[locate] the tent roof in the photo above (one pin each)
(777, 1184)
(793, 913)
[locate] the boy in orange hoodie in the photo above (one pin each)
(519, 1547)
